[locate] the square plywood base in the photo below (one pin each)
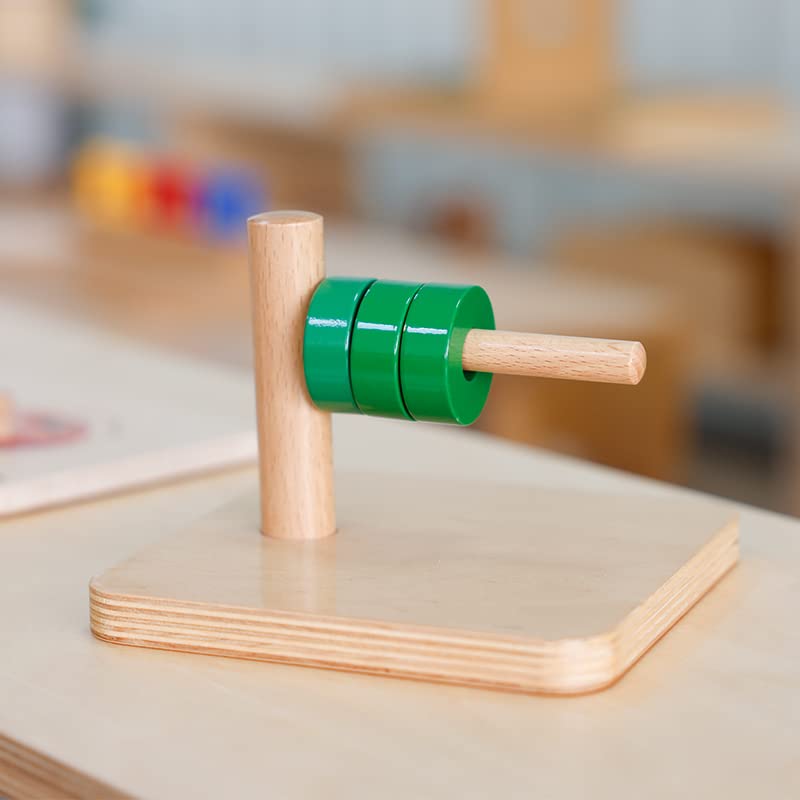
(498, 586)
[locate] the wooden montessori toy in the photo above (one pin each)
(481, 582)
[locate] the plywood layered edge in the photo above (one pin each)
(26, 773)
(479, 658)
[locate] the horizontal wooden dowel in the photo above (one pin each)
(544, 356)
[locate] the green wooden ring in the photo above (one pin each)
(435, 386)
(327, 340)
(375, 348)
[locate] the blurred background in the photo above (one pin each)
(622, 169)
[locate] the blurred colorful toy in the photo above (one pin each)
(119, 186)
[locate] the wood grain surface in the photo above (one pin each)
(479, 584)
(711, 707)
(295, 445)
(544, 355)
(28, 775)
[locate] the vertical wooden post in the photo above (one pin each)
(294, 437)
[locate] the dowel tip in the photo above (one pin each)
(637, 363)
(283, 218)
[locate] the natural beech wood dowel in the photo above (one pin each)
(294, 437)
(543, 356)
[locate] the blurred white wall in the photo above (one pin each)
(704, 44)
(662, 43)
(389, 39)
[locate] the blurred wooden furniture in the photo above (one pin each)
(158, 724)
(33, 37)
(735, 144)
(553, 414)
(547, 58)
(139, 287)
(302, 168)
(655, 418)
(738, 144)
(723, 281)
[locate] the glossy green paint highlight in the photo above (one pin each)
(327, 340)
(435, 386)
(375, 348)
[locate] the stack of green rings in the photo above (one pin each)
(393, 349)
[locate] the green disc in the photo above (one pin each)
(327, 339)
(375, 348)
(435, 386)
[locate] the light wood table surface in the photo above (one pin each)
(712, 711)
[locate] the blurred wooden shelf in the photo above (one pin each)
(281, 95)
(462, 113)
(745, 138)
